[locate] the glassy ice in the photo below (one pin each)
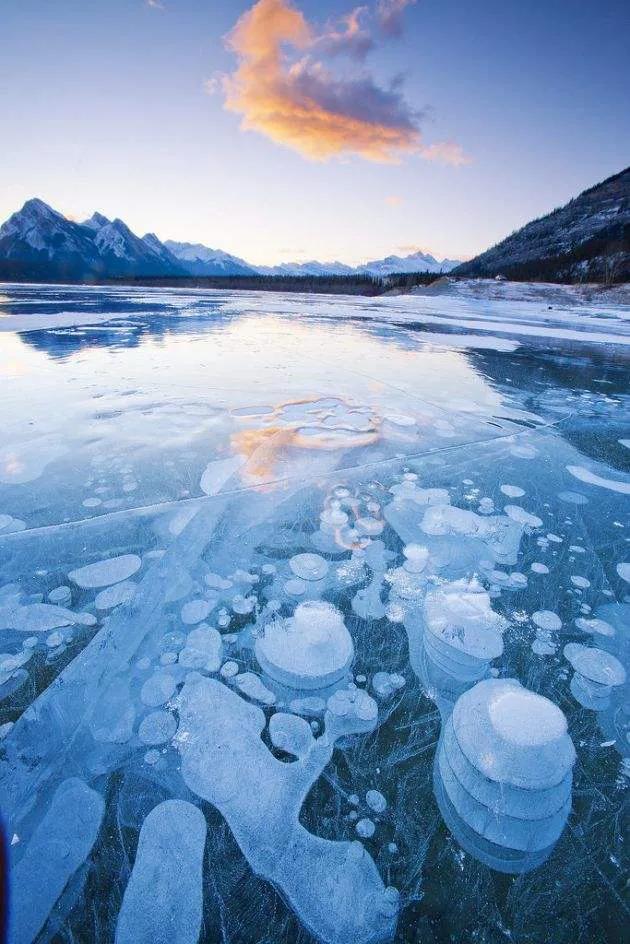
(314, 618)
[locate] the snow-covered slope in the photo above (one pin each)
(201, 260)
(146, 254)
(588, 239)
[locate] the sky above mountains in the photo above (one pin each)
(312, 129)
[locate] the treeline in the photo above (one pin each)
(318, 284)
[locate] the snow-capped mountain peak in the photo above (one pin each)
(97, 221)
(41, 229)
(202, 260)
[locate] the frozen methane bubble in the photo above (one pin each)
(598, 626)
(350, 711)
(229, 669)
(106, 572)
(115, 595)
(41, 617)
(512, 491)
(463, 634)
(417, 558)
(365, 828)
(376, 801)
(62, 595)
(158, 688)
(163, 901)
(310, 650)
(157, 728)
(503, 774)
(367, 602)
(195, 611)
(58, 847)
(408, 490)
(499, 533)
(623, 570)
(581, 582)
(309, 566)
(251, 685)
(539, 568)
(547, 620)
(597, 672)
(243, 605)
(384, 684)
(203, 650)
(516, 513)
(296, 587)
(333, 887)
(290, 733)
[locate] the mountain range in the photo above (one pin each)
(38, 243)
(586, 240)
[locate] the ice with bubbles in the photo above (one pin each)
(313, 618)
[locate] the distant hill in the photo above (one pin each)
(587, 240)
(390, 265)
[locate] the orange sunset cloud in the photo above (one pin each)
(283, 92)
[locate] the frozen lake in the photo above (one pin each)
(314, 617)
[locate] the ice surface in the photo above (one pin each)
(223, 440)
(163, 900)
(58, 847)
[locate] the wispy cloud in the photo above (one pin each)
(446, 152)
(285, 86)
(349, 35)
(389, 14)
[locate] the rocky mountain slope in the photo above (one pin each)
(39, 243)
(201, 260)
(587, 240)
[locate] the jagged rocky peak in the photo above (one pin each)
(34, 213)
(97, 221)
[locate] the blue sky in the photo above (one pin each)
(105, 106)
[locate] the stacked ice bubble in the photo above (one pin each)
(503, 774)
(597, 672)
(462, 633)
(310, 650)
